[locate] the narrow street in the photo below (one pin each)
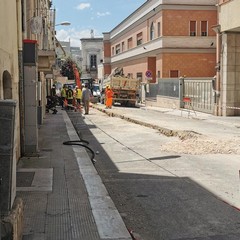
(161, 192)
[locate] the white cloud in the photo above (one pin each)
(74, 36)
(103, 14)
(82, 6)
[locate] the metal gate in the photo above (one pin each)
(201, 94)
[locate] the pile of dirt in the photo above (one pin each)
(197, 145)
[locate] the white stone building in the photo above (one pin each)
(228, 58)
(92, 55)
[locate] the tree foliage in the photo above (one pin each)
(67, 69)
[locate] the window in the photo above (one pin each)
(93, 61)
(123, 46)
(130, 75)
(193, 28)
(152, 31)
(130, 43)
(139, 38)
(139, 76)
(174, 74)
(112, 51)
(204, 28)
(118, 49)
(158, 74)
(159, 29)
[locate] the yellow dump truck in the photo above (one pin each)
(126, 90)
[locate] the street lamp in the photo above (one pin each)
(63, 24)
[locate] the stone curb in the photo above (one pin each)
(108, 220)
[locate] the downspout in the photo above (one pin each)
(217, 84)
(218, 76)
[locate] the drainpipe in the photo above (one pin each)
(218, 77)
(218, 109)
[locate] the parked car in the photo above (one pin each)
(96, 92)
(72, 85)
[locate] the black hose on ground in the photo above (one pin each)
(78, 143)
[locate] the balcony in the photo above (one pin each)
(46, 59)
(229, 16)
(163, 44)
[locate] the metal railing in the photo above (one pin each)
(201, 93)
(200, 90)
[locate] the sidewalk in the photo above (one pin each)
(64, 197)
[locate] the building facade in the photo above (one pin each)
(228, 58)
(92, 55)
(168, 38)
(10, 46)
(27, 57)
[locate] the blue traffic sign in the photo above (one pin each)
(148, 73)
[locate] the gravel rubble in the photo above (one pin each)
(197, 145)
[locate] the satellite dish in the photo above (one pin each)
(36, 25)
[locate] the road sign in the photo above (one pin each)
(148, 74)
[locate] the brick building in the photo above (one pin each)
(171, 38)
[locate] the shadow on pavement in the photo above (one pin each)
(163, 207)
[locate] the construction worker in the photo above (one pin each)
(109, 97)
(86, 96)
(69, 97)
(78, 96)
(63, 96)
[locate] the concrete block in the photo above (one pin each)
(12, 224)
(7, 173)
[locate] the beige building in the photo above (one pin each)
(32, 23)
(27, 58)
(228, 58)
(10, 143)
(10, 46)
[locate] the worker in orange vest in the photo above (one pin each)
(109, 97)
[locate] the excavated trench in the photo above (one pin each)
(189, 142)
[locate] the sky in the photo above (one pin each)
(84, 16)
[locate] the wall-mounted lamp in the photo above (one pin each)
(63, 24)
(216, 28)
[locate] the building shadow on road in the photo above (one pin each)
(162, 206)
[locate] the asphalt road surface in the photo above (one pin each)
(160, 195)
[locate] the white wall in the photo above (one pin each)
(229, 16)
(9, 41)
